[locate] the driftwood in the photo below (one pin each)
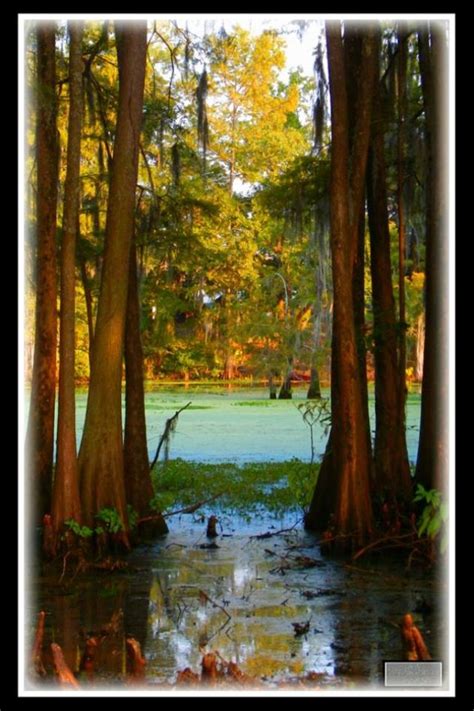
(135, 660)
(65, 676)
(413, 642)
(37, 653)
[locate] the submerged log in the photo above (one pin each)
(65, 676)
(413, 642)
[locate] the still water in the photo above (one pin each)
(239, 424)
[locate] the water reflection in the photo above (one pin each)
(240, 599)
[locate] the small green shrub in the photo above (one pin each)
(111, 520)
(434, 516)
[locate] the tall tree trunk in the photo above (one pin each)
(402, 357)
(342, 492)
(432, 460)
(40, 430)
(138, 486)
(101, 455)
(66, 503)
(392, 472)
(358, 104)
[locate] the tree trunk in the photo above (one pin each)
(314, 390)
(420, 346)
(66, 503)
(138, 486)
(40, 430)
(392, 472)
(272, 387)
(402, 357)
(101, 462)
(343, 483)
(285, 390)
(432, 460)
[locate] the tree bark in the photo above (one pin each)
(101, 461)
(392, 472)
(40, 430)
(402, 71)
(314, 390)
(138, 486)
(66, 502)
(432, 460)
(343, 482)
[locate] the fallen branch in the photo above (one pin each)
(186, 510)
(65, 676)
(166, 433)
(268, 534)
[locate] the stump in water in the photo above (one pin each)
(37, 653)
(413, 642)
(209, 668)
(88, 658)
(135, 661)
(211, 527)
(65, 676)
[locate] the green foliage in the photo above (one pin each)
(278, 486)
(111, 520)
(302, 481)
(77, 529)
(132, 516)
(434, 516)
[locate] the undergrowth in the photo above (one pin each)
(277, 486)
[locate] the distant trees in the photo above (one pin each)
(219, 230)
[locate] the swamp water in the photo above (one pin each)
(181, 598)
